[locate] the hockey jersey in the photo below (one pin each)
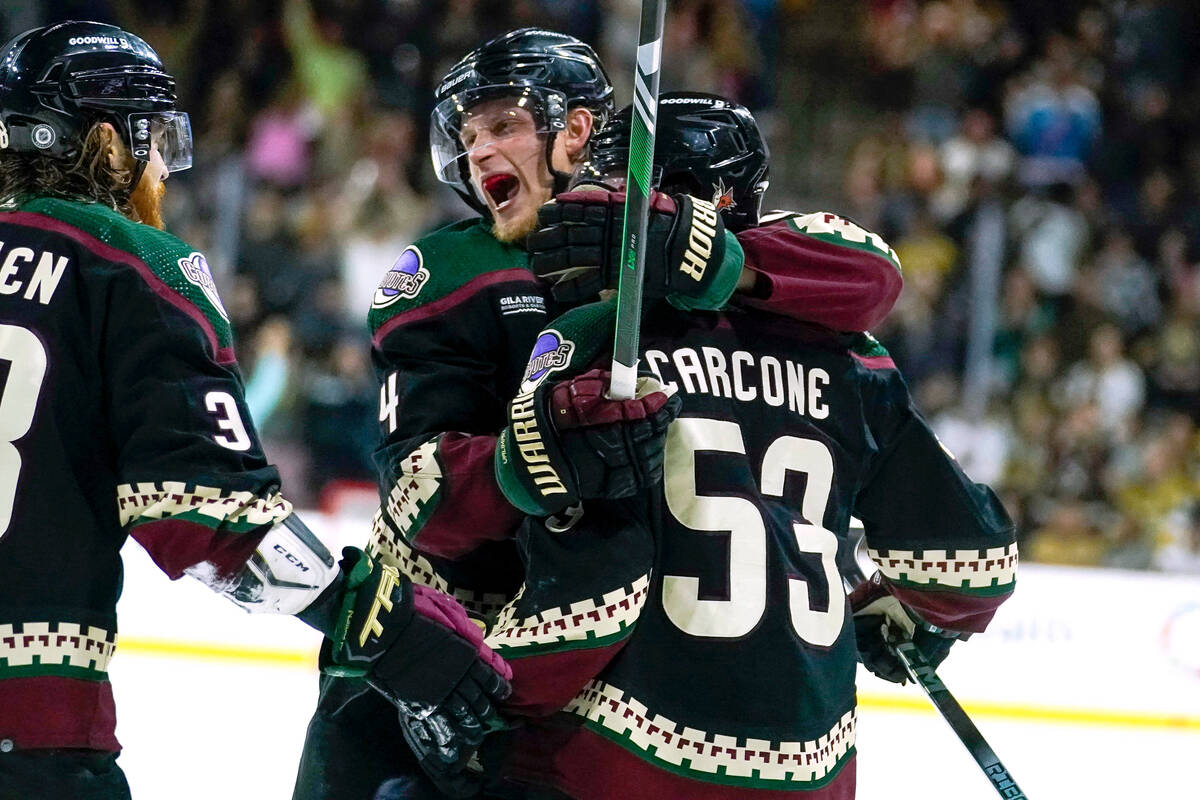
(719, 659)
(453, 322)
(121, 413)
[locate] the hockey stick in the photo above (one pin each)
(637, 201)
(924, 675)
(919, 669)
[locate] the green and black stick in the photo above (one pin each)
(637, 200)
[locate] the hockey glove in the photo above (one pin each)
(568, 441)
(445, 753)
(880, 619)
(578, 249)
(416, 646)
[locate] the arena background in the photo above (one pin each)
(1035, 166)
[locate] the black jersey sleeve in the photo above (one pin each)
(194, 486)
(452, 326)
(944, 543)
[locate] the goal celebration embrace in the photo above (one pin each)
(585, 401)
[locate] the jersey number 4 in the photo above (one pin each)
(26, 357)
(742, 521)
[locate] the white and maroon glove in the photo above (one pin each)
(880, 620)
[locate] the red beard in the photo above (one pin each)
(147, 202)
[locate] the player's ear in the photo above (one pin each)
(111, 146)
(577, 133)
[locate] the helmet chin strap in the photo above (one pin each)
(468, 195)
(561, 180)
(139, 169)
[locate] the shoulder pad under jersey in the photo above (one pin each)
(169, 259)
(460, 257)
(834, 229)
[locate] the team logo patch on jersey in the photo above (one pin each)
(404, 279)
(551, 353)
(195, 269)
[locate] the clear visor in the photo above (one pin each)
(611, 178)
(170, 132)
(477, 118)
(610, 170)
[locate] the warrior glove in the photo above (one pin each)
(689, 259)
(568, 441)
(880, 620)
(414, 645)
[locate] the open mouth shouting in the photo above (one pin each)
(502, 188)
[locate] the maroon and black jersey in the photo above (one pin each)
(711, 655)
(453, 323)
(121, 412)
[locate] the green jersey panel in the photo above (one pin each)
(434, 267)
(182, 268)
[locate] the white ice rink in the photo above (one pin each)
(212, 703)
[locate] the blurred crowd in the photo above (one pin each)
(1035, 166)
(1037, 174)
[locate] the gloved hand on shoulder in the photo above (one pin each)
(690, 260)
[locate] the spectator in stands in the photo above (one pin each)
(976, 153)
(1053, 119)
(1108, 380)
(1051, 235)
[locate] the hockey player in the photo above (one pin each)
(727, 663)
(122, 414)
(453, 322)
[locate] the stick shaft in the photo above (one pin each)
(925, 676)
(920, 670)
(637, 200)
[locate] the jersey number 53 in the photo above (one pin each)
(742, 521)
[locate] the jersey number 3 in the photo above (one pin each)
(26, 357)
(742, 521)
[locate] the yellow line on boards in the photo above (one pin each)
(217, 652)
(1028, 713)
(916, 704)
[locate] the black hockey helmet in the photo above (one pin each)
(704, 145)
(57, 81)
(546, 72)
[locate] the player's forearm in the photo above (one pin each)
(442, 496)
(747, 280)
(819, 277)
(946, 545)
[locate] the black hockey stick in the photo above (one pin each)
(924, 675)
